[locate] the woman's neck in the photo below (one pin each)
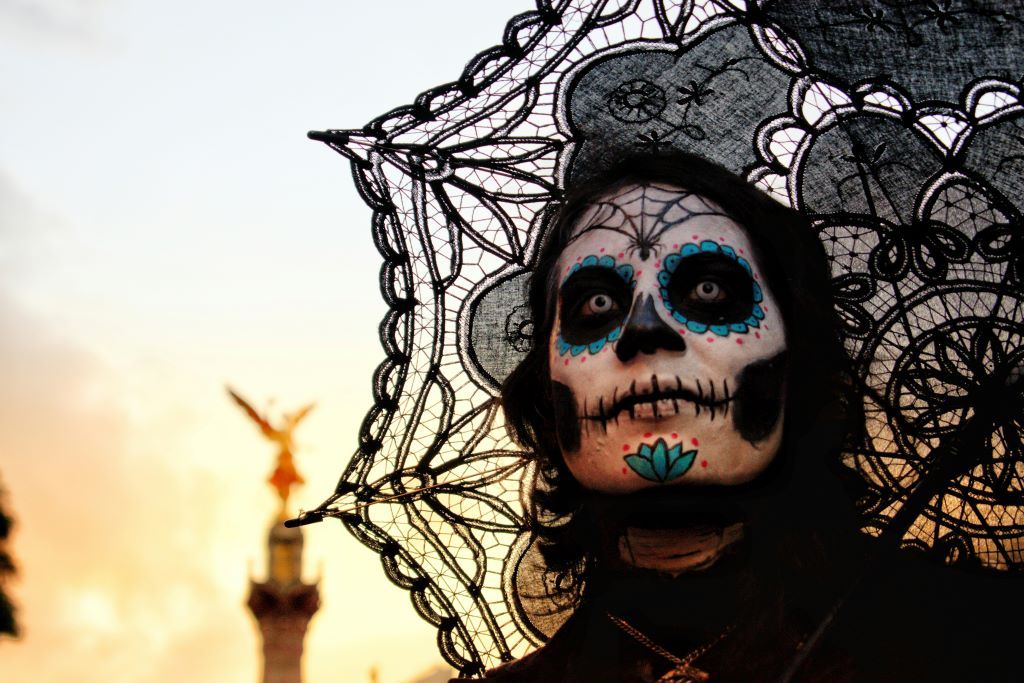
(679, 585)
(677, 551)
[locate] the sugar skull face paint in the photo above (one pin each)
(667, 354)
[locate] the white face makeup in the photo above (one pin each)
(667, 353)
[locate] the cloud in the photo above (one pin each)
(26, 230)
(62, 21)
(117, 554)
(126, 567)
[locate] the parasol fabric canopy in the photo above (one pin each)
(896, 126)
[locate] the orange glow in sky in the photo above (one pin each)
(166, 229)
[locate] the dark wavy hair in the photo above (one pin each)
(821, 410)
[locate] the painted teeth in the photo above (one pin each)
(725, 388)
(656, 401)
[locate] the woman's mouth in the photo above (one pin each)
(658, 399)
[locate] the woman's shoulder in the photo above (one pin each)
(534, 666)
(549, 662)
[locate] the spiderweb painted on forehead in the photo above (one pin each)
(897, 127)
(644, 217)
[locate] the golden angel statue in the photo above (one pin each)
(285, 475)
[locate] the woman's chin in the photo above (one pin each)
(678, 451)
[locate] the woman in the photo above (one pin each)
(693, 398)
(695, 395)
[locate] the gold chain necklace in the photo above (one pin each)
(684, 671)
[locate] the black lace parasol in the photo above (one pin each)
(896, 125)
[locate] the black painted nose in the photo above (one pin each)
(646, 332)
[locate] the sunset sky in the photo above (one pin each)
(167, 229)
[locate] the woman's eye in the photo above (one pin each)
(710, 288)
(594, 301)
(598, 304)
(708, 291)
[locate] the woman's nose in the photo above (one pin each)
(646, 332)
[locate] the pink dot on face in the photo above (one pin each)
(741, 251)
(721, 239)
(625, 447)
(703, 463)
(711, 340)
(739, 341)
(675, 246)
(682, 330)
(648, 435)
(657, 264)
(695, 237)
(579, 258)
(757, 334)
(566, 361)
(621, 254)
(624, 470)
(694, 441)
(674, 435)
(639, 273)
(583, 360)
(602, 250)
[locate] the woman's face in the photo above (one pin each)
(667, 354)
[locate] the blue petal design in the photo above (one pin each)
(729, 251)
(671, 262)
(614, 334)
(626, 271)
(606, 261)
(594, 347)
(641, 466)
(758, 313)
(758, 295)
(694, 326)
(660, 463)
(563, 346)
(681, 465)
(720, 330)
(577, 350)
(664, 277)
(739, 327)
(659, 459)
(689, 249)
(589, 261)
(746, 265)
(708, 245)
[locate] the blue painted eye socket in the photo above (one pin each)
(595, 297)
(708, 287)
(624, 270)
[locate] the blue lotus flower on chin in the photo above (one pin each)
(659, 462)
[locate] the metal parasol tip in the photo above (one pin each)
(303, 519)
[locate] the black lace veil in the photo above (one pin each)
(897, 126)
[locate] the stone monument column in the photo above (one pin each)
(283, 606)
